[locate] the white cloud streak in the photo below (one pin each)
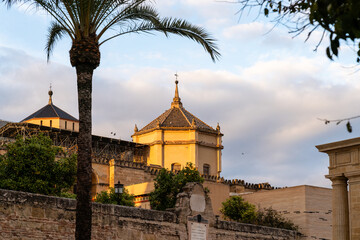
(268, 110)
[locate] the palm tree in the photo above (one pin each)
(86, 22)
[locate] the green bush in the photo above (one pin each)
(111, 197)
(29, 165)
(272, 218)
(168, 185)
(67, 195)
(236, 209)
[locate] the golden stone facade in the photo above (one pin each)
(177, 137)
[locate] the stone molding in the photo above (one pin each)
(211, 178)
(186, 142)
(243, 227)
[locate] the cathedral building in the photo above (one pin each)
(177, 137)
(52, 116)
(170, 141)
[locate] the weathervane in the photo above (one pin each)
(50, 95)
(176, 78)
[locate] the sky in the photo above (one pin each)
(267, 90)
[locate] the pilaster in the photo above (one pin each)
(218, 153)
(111, 173)
(340, 208)
(354, 201)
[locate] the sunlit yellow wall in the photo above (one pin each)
(69, 125)
(45, 121)
(141, 188)
(56, 123)
(179, 135)
(207, 138)
(207, 155)
(176, 154)
(156, 155)
(144, 138)
(168, 146)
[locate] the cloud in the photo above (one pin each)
(247, 31)
(25, 81)
(209, 13)
(267, 110)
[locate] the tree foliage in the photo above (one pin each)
(169, 184)
(237, 209)
(110, 197)
(30, 165)
(338, 19)
(272, 218)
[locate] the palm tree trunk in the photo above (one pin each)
(83, 204)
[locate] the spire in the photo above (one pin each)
(50, 96)
(176, 100)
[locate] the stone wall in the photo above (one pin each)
(33, 216)
(224, 230)
(129, 174)
(308, 207)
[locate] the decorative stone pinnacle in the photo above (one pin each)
(176, 100)
(218, 127)
(136, 128)
(50, 95)
(193, 123)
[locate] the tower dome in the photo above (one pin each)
(177, 137)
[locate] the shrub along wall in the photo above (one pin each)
(33, 216)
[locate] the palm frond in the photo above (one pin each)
(177, 27)
(81, 19)
(56, 32)
(8, 3)
(116, 13)
(58, 12)
(185, 29)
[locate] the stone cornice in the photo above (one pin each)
(338, 145)
(210, 132)
(186, 142)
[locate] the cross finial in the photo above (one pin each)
(176, 100)
(50, 95)
(176, 78)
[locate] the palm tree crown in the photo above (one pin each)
(91, 19)
(86, 22)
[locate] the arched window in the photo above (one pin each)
(175, 167)
(206, 169)
(65, 124)
(50, 123)
(41, 123)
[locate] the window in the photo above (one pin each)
(50, 123)
(175, 167)
(65, 124)
(206, 169)
(41, 123)
(73, 126)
